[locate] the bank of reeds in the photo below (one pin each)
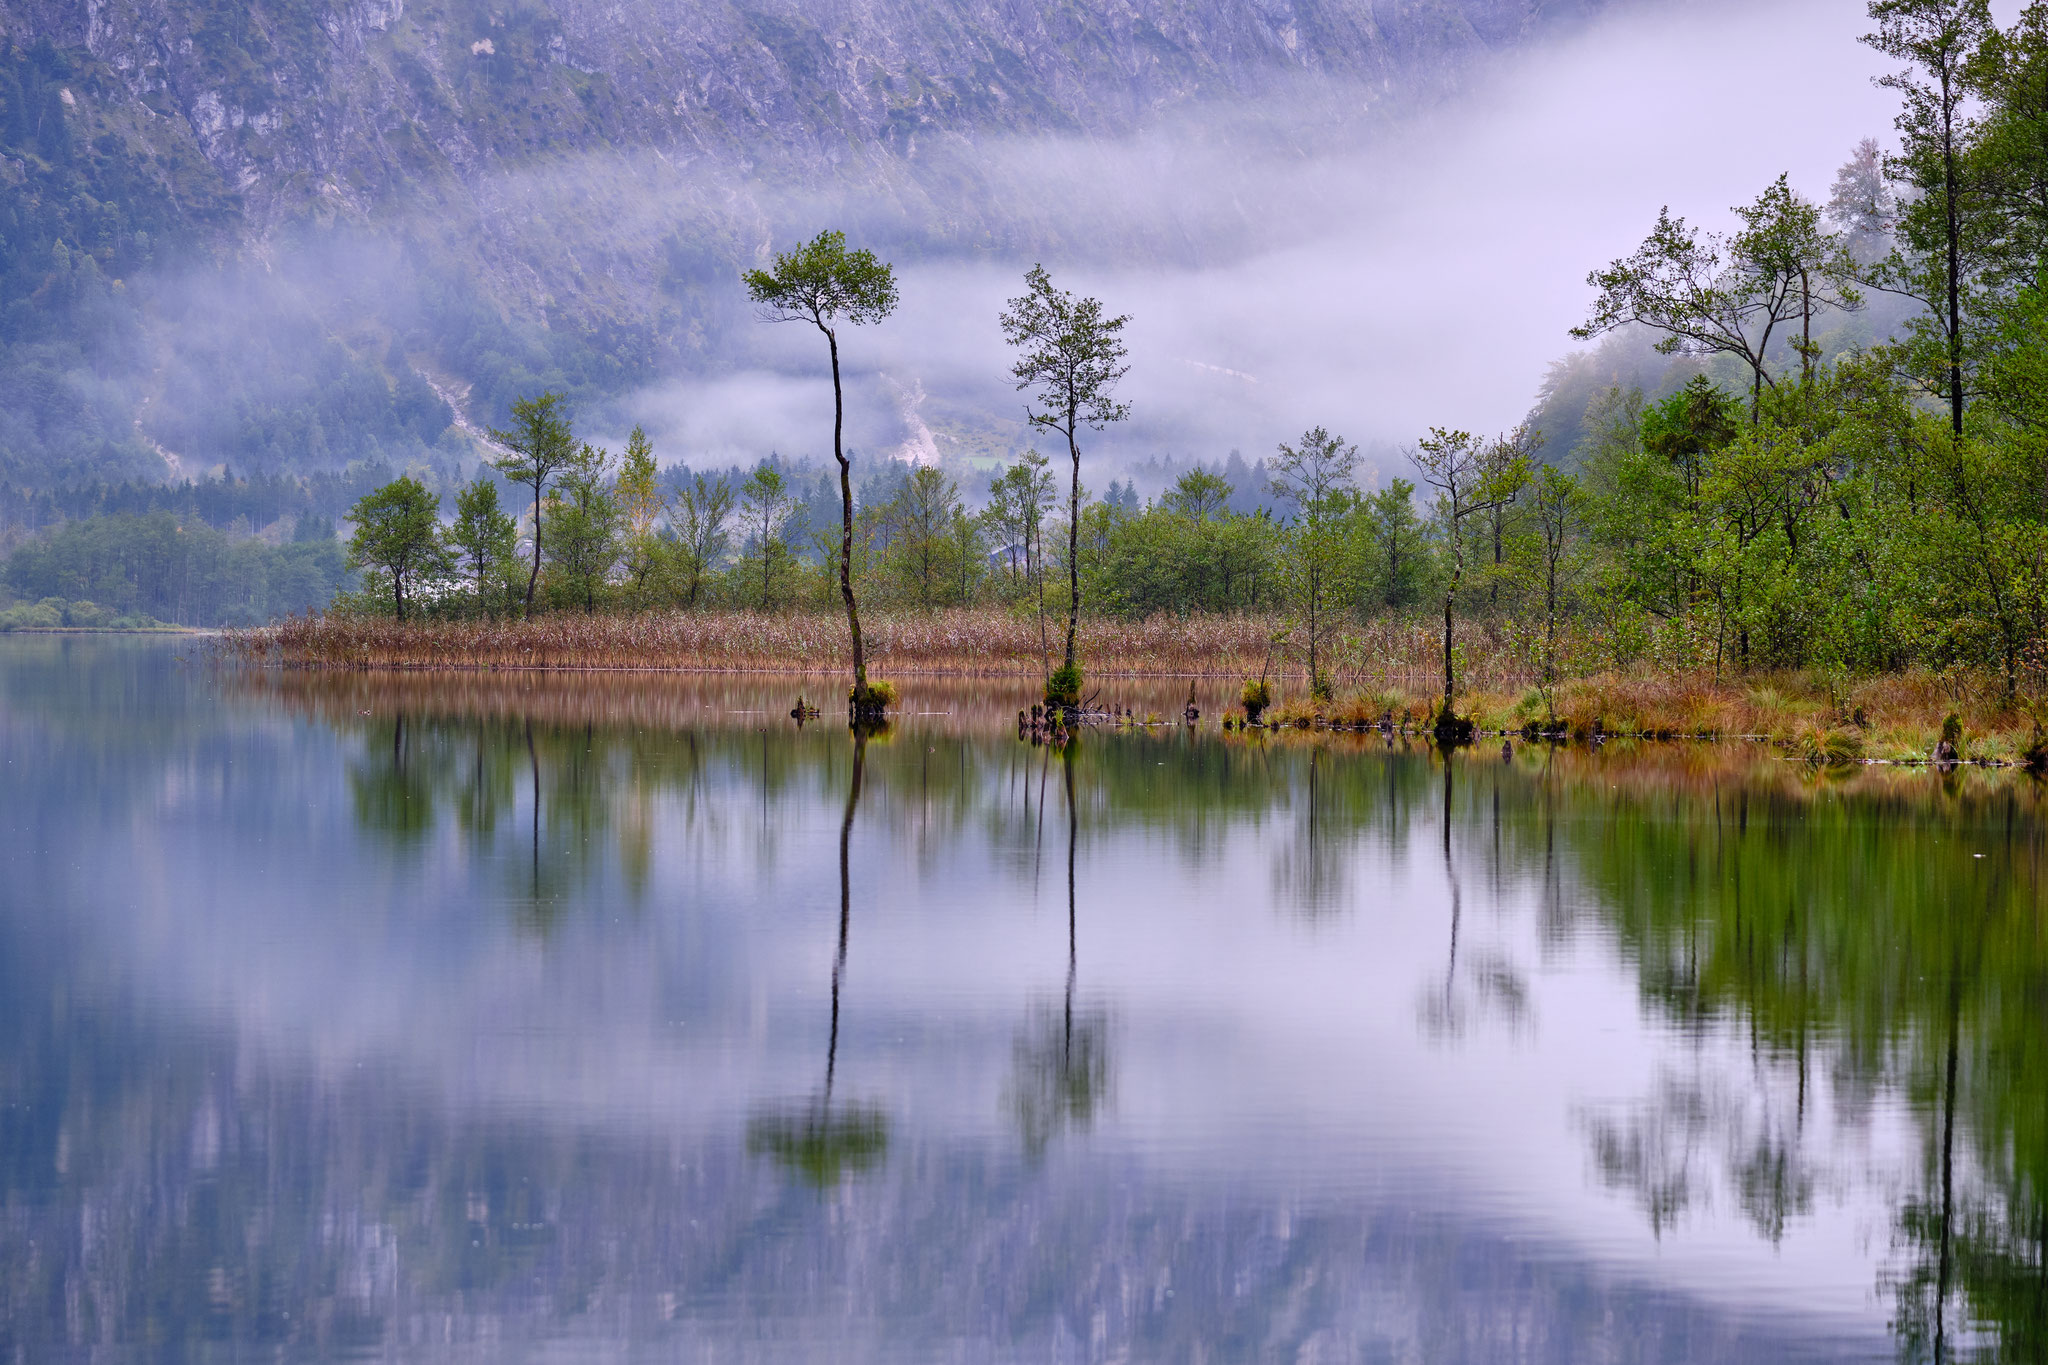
(1386, 670)
(1818, 718)
(979, 642)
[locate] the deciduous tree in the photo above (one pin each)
(827, 286)
(1070, 358)
(765, 509)
(1940, 222)
(1318, 475)
(703, 507)
(541, 446)
(1467, 476)
(485, 539)
(398, 535)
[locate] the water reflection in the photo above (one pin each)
(824, 1144)
(1061, 1067)
(394, 1016)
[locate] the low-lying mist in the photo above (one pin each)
(1316, 257)
(1377, 278)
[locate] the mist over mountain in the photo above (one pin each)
(290, 235)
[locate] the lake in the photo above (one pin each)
(539, 1018)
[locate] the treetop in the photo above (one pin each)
(821, 283)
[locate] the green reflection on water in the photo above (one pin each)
(1876, 935)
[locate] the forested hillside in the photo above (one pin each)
(284, 235)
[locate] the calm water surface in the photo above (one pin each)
(502, 1019)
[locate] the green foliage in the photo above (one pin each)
(398, 538)
(932, 551)
(823, 283)
(585, 523)
(157, 567)
(1063, 686)
(541, 446)
(54, 613)
(1070, 357)
(876, 693)
(765, 512)
(1158, 559)
(485, 541)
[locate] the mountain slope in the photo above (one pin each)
(272, 233)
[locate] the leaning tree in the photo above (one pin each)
(824, 284)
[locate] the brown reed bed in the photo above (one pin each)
(669, 702)
(1638, 769)
(1385, 670)
(978, 642)
(1820, 718)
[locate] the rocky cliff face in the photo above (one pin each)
(504, 194)
(311, 107)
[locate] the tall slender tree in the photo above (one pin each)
(1466, 474)
(1070, 359)
(703, 507)
(485, 539)
(2008, 162)
(1938, 40)
(1317, 475)
(826, 285)
(641, 503)
(541, 447)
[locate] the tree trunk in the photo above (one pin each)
(1037, 534)
(860, 661)
(1073, 538)
(1450, 677)
(1314, 612)
(1955, 263)
(534, 577)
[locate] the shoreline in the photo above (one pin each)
(1388, 675)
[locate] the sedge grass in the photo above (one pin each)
(1387, 671)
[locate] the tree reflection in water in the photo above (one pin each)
(1869, 937)
(1491, 986)
(822, 1144)
(1060, 1076)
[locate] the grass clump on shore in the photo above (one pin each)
(1900, 718)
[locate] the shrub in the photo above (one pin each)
(1256, 696)
(880, 695)
(1822, 746)
(1063, 688)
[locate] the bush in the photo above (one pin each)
(1063, 688)
(1256, 696)
(42, 616)
(879, 696)
(1823, 747)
